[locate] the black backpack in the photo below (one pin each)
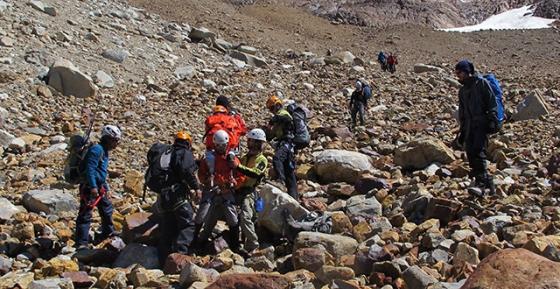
(158, 174)
(78, 146)
(302, 138)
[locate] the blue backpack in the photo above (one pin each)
(367, 92)
(495, 85)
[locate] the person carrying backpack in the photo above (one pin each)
(224, 101)
(221, 119)
(478, 118)
(281, 128)
(250, 170)
(358, 102)
(382, 59)
(94, 190)
(392, 63)
(218, 198)
(171, 174)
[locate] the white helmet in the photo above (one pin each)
(221, 137)
(359, 85)
(257, 134)
(112, 131)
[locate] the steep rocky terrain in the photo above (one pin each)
(433, 13)
(396, 192)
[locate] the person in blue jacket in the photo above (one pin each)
(94, 187)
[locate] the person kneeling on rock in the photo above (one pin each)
(94, 190)
(311, 222)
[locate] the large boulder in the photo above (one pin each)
(7, 209)
(251, 281)
(360, 206)
(248, 58)
(532, 107)
(68, 80)
(335, 245)
(515, 269)
(420, 153)
(6, 138)
(341, 166)
(276, 202)
(421, 68)
(143, 255)
(49, 201)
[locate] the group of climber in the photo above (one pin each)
(224, 184)
(388, 62)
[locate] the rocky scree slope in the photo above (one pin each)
(401, 215)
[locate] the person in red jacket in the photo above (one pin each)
(392, 63)
(218, 199)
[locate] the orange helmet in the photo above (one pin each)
(273, 101)
(219, 109)
(183, 135)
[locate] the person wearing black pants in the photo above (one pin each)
(281, 134)
(477, 117)
(176, 218)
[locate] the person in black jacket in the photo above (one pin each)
(176, 220)
(477, 117)
(358, 104)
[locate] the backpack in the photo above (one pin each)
(74, 165)
(79, 144)
(497, 90)
(302, 138)
(367, 92)
(227, 122)
(157, 176)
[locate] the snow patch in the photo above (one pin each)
(520, 18)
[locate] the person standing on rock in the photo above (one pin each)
(281, 128)
(358, 102)
(477, 115)
(218, 198)
(250, 170)
(176, 222)
(94, 190)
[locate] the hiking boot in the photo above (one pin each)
(489, 184)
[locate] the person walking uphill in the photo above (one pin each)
(250, 170)
(281, 128)
(94, 190)
(477, 118)
(171, 174)
(358, 102)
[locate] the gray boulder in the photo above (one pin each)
(276, 202)
(248, 58)
(116, 55)
(421, 68)
(532, 107)
(420, 153)
(103, 79)
(143, 255)
(360, 206)
(49, 201)
(336, 245)
(68, 80)
(55, 283)
(418, 279)
(202, 33)
(341, 166)
(7, 209)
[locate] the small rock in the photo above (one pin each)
(116, 55)
(418, 279)
(49, 201)
(466, 253)
(102, 79)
